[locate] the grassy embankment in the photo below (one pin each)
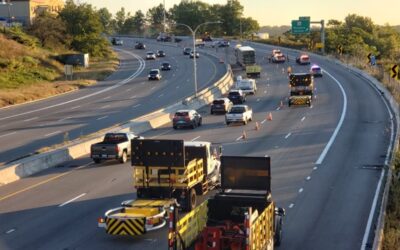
(28, 72)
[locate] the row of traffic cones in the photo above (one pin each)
(257, 127)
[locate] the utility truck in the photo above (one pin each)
(241, 216)
(301, 89)
(166, 172)
(246, 57)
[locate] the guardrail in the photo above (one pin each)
(34, 164)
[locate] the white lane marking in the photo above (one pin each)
(177, 87)
(375, 201)
(311, 106)
(10, 231)
(73, 199)
(133, 97)
(31, 119)
(196, 138)
(291, 205)
(240, 137)
(263, 121)
(129, 89)
(108, 97)
(137, 105)
(339, 125)
(278, 108)
(101, 118)
(8, 134)
(75, 107)
(66, 118)
(315, 168)
(258, 99)
(265, 91)
(302, 119)
(142, 83)
(301, 190)
(161, 95)
(308, 178)
(287, 136)
(106, 106)
(153, 87)
(53, 133)
(118, 84)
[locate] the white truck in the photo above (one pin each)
(239, 113)
(248, 86)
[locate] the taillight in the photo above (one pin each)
(100, 220)
(116, 149)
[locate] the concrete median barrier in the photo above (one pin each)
(34, 164)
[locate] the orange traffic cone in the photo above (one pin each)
(269, 117)
(244, 135)
(257, 126)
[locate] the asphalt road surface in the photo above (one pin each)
(326, 164)
(124, 95)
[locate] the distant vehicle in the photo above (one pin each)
(160, 53)
(237, 96)
(114, 146)
(316, 71)
(239, 113)
(164, 37)
(187, 50)
(301, 89)
(247, 86)
(140, 46)
(186, 118)
(154, 74)
(224, 43)
(165, 66)
(275, 51)
(279, 58)
(150, 55)
(117, 41)
(192, 54)
(303, 59)
(221, 105)
(245, 55)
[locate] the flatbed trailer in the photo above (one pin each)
(241, 216)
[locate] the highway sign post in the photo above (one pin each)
(300, 27)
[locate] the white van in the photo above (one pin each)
(247, 86)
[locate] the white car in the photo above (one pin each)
(154, 74)
(150, 55)
(247, 86)
(239, 113)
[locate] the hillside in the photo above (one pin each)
(29, 72)
(397, 27)
(275, 30)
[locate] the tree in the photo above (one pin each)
(249, 26)
(50, 31)
(230, 15)
(106, 20)
(155, 17)
(120, 18)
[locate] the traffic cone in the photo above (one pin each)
(281, 104)
(269, 117)
(257, 126)
(244, 135)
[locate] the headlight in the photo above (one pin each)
(149, 76)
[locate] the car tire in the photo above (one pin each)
(211, 112)
(174, 127)
(124, 157)
(194, 124)
(227, 123)
(200, 122)
(250, 118)
(97, 161)
(245, 122)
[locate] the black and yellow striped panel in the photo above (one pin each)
(300, 101)
(126, 226)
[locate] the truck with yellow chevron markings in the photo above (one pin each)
(241, 216)
(166, 173)
(301, 89)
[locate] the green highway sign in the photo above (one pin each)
(300, 26)
(304, 18)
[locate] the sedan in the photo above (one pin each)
(160, 53)
(154, 74)
(150, 55)
(165, 66)
(192, 54)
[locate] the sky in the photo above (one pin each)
(281, 12)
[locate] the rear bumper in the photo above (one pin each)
(104, 156)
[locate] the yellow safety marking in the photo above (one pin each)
(42, 182)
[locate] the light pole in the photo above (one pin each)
(164, 15)
(9, 10)
(194, 49)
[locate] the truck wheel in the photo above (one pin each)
(278, 233)
(194, 125)
(175, 127)
(191, 200)
(244, 122)
(97, 161)
(124, 157)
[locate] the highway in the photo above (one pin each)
(124, 95)
(326, 162)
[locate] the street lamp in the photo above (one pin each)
(9, 10)
(164, 16)
(194, 48)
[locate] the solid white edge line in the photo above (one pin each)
(195, 138)
(31, 119)
(73, 199)
(101, 118)
(375, 201)
(53, 133)
(8, 134)
(10, 231)
(287, 136)
(302, 119)
(340, 123)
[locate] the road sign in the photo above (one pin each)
(395, 72)
(340, 49)
(319, 45)
(300, 27)
(304, 18)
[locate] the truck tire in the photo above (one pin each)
(278, 233)
(124, 157)
(245, 122)
(191, 200)
(97, 161)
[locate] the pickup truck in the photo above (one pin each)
(114, 146)
(247, 86)
(239, 113)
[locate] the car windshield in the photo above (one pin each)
(150, 53)
(115, 138)
(154, 72)
(237, 110)
(184, 113)
(234, 94)
(160, 52)
(218, 102)
(165, 64)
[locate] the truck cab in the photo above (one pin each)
(202, 149)
(248, 86)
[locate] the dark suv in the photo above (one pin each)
(186, 118)
(237, 96)
(186, 51)
(221, 105)
(140, 46)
